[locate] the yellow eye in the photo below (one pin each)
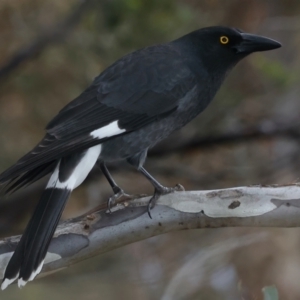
(224, 40)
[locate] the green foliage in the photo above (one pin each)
(276, 71)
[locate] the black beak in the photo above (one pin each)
(252, 43)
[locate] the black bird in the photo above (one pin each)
(132, 105)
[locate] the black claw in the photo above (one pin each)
(110, 203)
(112, 200)
(161, 191)
(152, 202)
(149, 210)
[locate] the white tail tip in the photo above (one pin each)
(6, 282)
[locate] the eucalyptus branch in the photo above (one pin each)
(99, 231)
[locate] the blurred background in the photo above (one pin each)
(51, 50)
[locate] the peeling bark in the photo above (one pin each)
(98, 232)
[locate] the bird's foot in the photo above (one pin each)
(119, 196)
(159, 192)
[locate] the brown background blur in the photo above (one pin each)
(262, 92)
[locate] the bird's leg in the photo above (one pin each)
(158, 189)
(118, 192)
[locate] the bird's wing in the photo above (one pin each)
(140, 88)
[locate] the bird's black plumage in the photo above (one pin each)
(132, 105)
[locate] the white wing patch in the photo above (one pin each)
(106, 131)
(80, 172)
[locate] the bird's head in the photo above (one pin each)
(222, 47)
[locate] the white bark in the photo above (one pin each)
(95, 233)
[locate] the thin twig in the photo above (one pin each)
(51, 36)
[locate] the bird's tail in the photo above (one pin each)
(28, 258)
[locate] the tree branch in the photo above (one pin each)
(98, 232)
(266, 130)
